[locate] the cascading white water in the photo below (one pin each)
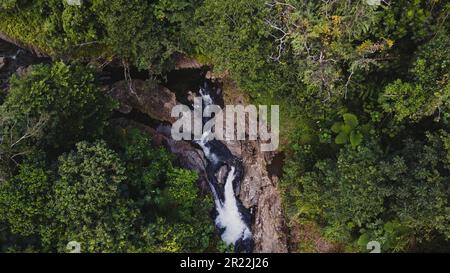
(229, 218)
(207, 100)
(206, 150)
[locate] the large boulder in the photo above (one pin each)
(154, 100)
(184, 62)
(186, 155)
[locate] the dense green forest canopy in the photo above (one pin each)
(364, 90)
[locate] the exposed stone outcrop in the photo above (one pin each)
(191, 158)
(186, 155)
(157, 102)
(259, 190)
(154, 100)
(184, 62)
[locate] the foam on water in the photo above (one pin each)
(206, 97)
(202, 142)
(229, 218)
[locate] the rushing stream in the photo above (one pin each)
(231, 218)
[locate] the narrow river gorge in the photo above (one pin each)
(239, 176)
(232, 219)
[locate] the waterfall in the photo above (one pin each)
(232, 218)
(229, 218)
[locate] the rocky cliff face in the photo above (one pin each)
(258, 189)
